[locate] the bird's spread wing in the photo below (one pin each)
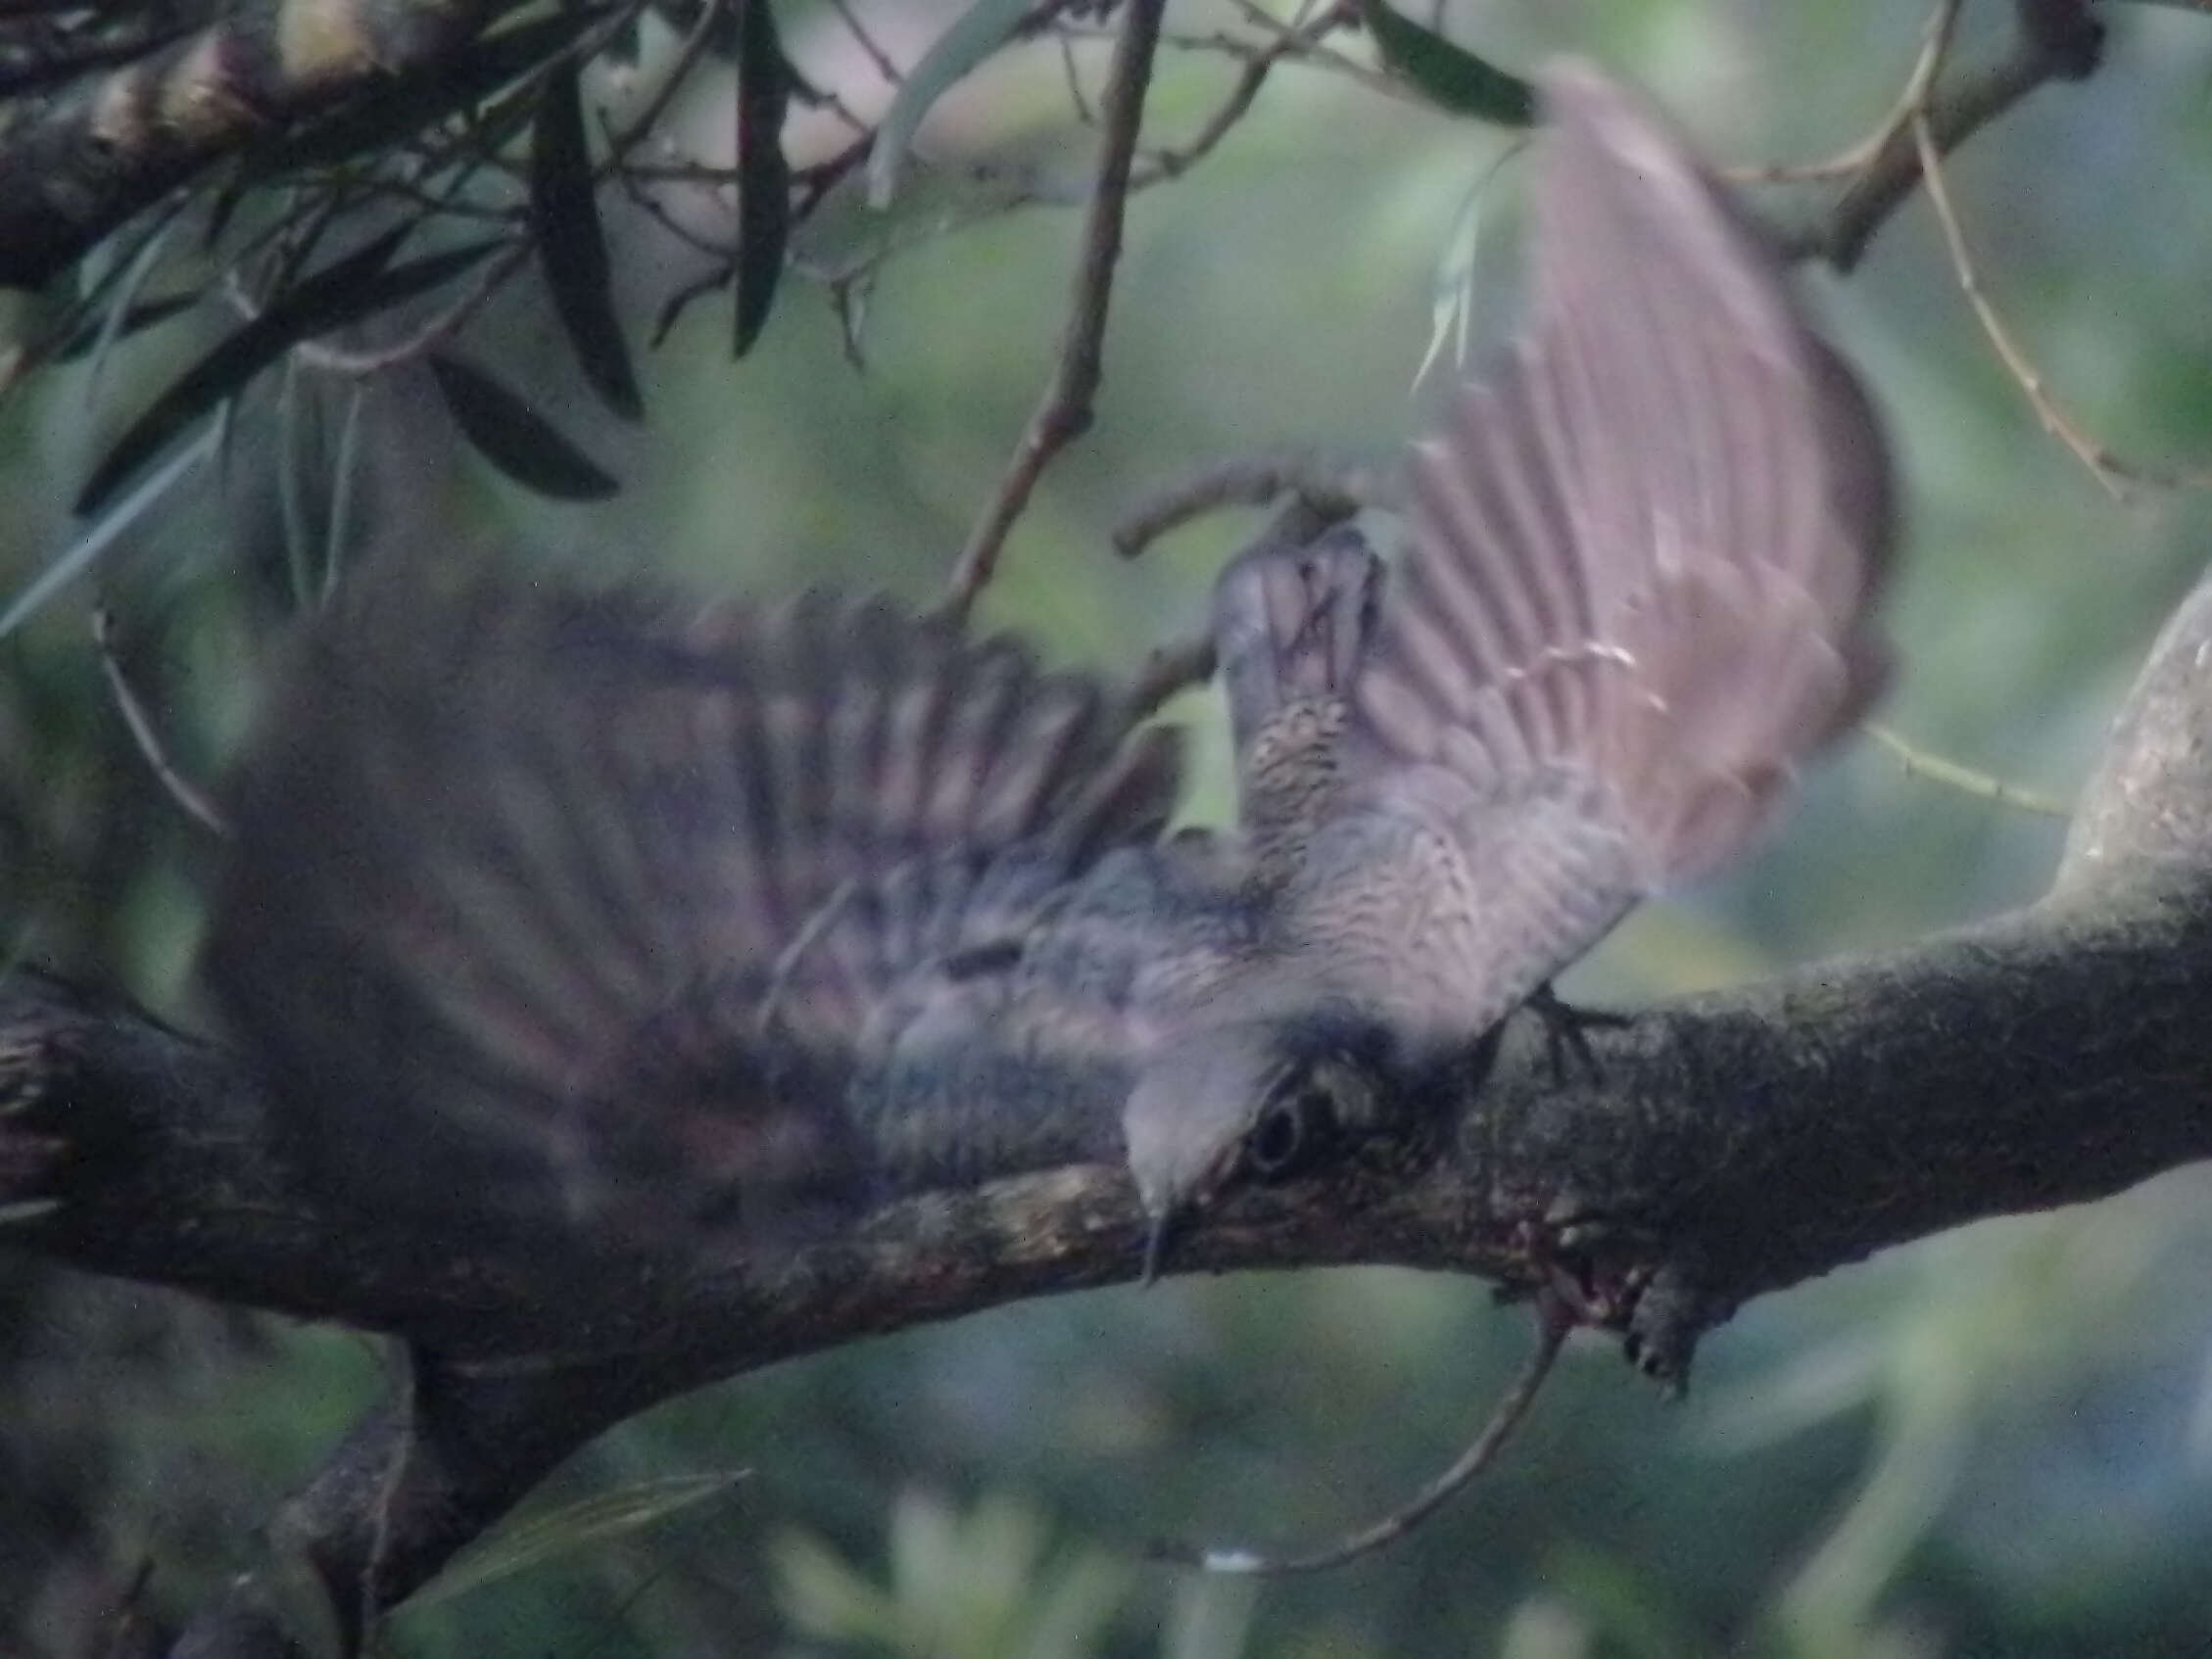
(1644, 546)
(548, 897)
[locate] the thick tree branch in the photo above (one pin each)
(76, 165)
(1732, 1144)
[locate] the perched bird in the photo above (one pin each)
(550, 906)
(1645, 544)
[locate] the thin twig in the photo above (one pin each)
(1345, 15)
(1334, 489)
(1554, 1321)
(1066, 411)
(884, 67)
(1952, 115)
(181, 789)
(2106, 468)
(1072, 73)
(448, 321)
(688, 55)
(1168, 164)
(1935, 43)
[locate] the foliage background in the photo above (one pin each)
(1998, 1442)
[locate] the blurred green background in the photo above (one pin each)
(1998, 1442)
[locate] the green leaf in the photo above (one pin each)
(572, 245)
(353, 287)
(764, 174)
(513, 438)
(978, 32)
(527, 1543)
(1448, 74)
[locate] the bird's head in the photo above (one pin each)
(1248, 1102)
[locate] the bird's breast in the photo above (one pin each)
(1441, 909)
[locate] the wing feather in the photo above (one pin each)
(537, 896)
(1644, 544)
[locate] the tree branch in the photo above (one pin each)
(1065, 413)
(76, 165)
(1727, 1146)
(2052, 40)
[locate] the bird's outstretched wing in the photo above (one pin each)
(1644, 549)
(540, 900)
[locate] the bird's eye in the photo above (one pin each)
(1278, 1136)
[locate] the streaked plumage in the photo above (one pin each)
(1644, 548)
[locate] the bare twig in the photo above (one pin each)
(688, 56)
(1334, 489)
(866, 42)
(1066, 411)
(2110, 472)
(187, 795)
(1072, 73)
(1934, 45)
(1554, 1322)
(1290, 44)
(1339, 13)
(1952, 114)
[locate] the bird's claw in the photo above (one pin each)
(1566, 1031)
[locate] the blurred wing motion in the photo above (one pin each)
(1644, 550)
(544, 900)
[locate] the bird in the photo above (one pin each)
(1645, 546)
(616, 914)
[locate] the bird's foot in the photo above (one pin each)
(1566, 1033)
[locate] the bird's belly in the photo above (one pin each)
(1443, 917)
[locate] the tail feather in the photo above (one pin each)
(1292, 623)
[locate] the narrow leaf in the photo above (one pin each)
(764, 174)
(353, 287)
(97, 537)
(1448, 74)
(978, 32)
(571, 244)
(523, 1544)
(515, 439)
(119, 323)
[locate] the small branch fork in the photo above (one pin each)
(2053, 40)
